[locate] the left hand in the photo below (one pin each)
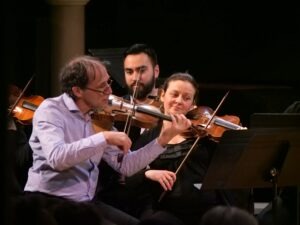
(169, 130)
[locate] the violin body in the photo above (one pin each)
(201, 116)
(120, 109)
(102, 121)
(26, 107)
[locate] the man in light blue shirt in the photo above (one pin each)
(66, 149)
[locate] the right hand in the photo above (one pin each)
(164, 177)
(119, 139)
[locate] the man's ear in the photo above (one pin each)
(162, 96)
(156, 71)
(77, 91)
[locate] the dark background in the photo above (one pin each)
(249, 47)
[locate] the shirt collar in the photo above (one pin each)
(72, 107)
(69, 102)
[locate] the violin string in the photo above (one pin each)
(129, 120)
(216, 110)
(195, 143)
(20, 96)
(206, 126)
(132, 101)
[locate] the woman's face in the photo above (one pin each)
(179, 97)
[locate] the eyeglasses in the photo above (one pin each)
(104, 90)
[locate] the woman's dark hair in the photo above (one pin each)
(142, 48)
(183, 77)
(78, 72)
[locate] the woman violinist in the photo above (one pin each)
(184, 198)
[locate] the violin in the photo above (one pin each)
(144, 115)
(218, 125)
(147, 116)
(22, 108)
(25, 108)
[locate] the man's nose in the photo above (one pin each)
(108, 90)
(137, 75)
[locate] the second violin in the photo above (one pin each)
(219, 124)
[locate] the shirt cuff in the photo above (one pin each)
(98, 139)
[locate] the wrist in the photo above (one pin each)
(163, 139)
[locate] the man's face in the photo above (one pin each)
(95, 94)
(140, 72)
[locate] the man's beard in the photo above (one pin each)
(143, 90)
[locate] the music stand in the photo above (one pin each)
(274, 120)
(254, 158)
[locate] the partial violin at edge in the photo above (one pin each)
(26, 107)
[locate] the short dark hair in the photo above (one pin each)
(142, 48)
